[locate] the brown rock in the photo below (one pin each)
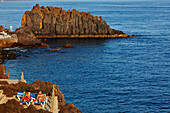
(56, 49)
(26, 37)
(12, 89)
(2, 72)
(69, 108)
(68, 46)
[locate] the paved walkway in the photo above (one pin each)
(11, 81)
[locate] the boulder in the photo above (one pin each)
(9, 55)
(26, 37)
(56, 49)
(68, 46)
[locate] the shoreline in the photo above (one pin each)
(86, 36)
(9, 89)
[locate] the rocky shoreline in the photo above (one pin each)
(10, 90)
(48, 22)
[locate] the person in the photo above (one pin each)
(40, 97)
(26, 97)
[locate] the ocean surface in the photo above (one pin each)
(104, 75)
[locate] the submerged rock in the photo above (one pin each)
(56, 49)
(6, 54)
(68, 46)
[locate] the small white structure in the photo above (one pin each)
(11, 28)
(4, 35)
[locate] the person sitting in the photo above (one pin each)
(40, 97)
(26, 97)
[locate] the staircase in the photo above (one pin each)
(4, 99)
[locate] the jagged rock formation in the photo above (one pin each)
(53, 21)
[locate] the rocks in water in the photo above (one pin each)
(10, 55)
(26, 37)
(22, 37)
(51, 21)
(56, 49)
(6, 54)
(68, 46)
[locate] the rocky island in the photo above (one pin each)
(53, 22)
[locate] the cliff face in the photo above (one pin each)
(54, 21)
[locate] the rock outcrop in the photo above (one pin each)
(11, 89)
(2, 72)
(6, 54)
(69, 108)
(68, 46)
(26, 38)
(22, 37)
(53, 21)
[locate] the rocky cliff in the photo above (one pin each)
(11, 89)
(53, 21)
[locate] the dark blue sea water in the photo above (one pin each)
(104, 75)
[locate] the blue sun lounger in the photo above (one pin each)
(34, 97)
(19, 96)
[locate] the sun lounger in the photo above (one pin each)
(19, 96)
(34, 98)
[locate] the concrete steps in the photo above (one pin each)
(2, 97)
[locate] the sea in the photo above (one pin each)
(130, 75)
